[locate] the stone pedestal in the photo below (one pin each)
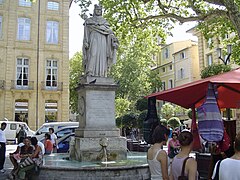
(96, 103)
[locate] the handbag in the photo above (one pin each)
(210, 124)
(27, 162)
(183, 177)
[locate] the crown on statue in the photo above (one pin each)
(97, 6)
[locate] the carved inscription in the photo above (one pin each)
(101, 106)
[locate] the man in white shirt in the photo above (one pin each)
(2, 146)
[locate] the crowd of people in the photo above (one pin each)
(171, 165)
(177, 164)
(28, 156)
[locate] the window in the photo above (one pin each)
(13, 126)
(170, 83)
(24, 25)
(182, 55)
(209, 59)
(26, 3)
(0, 26)
(163, 69)
(154, 57)
(53, 6)
(52, 32)
(51, 73)
(22, 72)
(170, 67)
(209, 43)
(227, 36)
(166, 53)
(163, 87)
(65, 131)
(181, 73)
(1, 1)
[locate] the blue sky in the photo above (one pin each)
(76, 31)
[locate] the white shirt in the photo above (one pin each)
(41, 145)
(228, 170)
(2, 136)
(155, 167)
(53, 138)
(21, 144)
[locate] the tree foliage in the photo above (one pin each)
(122, 106)
(214, 69)
(142, 104)
(76, 70)
(174, 122)
(163, 122)
(167, 111)
(215, 18)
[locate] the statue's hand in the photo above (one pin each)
(115, 45)
(86, 45)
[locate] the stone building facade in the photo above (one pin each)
(177, 64)
(208, 55)
(34, 61)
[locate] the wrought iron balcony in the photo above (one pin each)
(2, 84)
(50, 86)
(22, 84)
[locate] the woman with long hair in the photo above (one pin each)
(157, 158)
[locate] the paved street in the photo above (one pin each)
(8, 165)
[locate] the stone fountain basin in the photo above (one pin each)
(57, 167)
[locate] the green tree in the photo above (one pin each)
(142, 116)
(142, 104)
(167, 111)
(163, 122)
(76, 71)
(130, 120)
(214, 69)
(122, 106)
(174, 122)
(215, 18)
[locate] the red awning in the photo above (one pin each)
(193, 94)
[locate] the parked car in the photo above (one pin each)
(63, 143)
(12, 127)
(55, 125)
(60, 132)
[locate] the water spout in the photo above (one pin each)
(104, 143)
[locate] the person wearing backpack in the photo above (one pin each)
(21, 134)
(179, 169)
